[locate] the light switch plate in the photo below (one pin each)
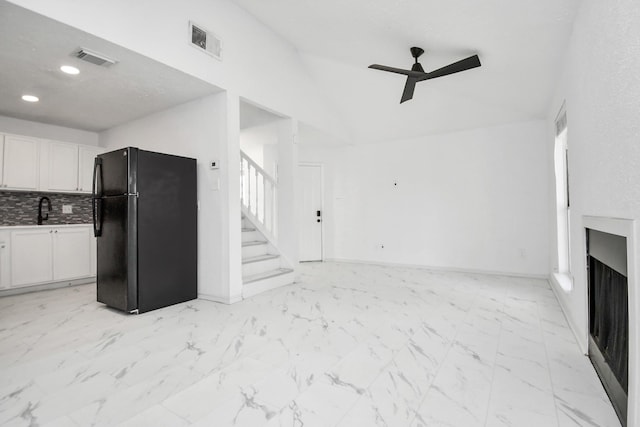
(67, 209)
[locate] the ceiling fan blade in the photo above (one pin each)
(409, 87)
(456, 67)
(397, 70)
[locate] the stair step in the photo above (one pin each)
(252, 236)
(248, 229)
(259, 258)
(283, 277)
(259, 263)
(266, 275)
(254, 248)
(254, 243)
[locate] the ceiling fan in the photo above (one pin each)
(417, 74)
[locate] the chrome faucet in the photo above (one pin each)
(46, 215)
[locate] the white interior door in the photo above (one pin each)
(310, 211)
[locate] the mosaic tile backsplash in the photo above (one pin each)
(18, 208)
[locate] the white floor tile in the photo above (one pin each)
(349, 345)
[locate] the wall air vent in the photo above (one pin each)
(93, 57)
(205, 40)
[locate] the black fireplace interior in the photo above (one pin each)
(609, 315)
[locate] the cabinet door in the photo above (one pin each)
(71, 253)
(31, 257)
(20, 163)
(63, 167)
(1, 160)
(94, 255)
(87, 154)
(5, 237)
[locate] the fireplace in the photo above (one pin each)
(608, 291)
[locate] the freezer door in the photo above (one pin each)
(167, 230)
(114, 173)
(116, 263)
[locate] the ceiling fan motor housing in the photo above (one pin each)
(416, 52)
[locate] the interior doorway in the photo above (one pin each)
(310, 212)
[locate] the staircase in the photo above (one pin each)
(262, 266)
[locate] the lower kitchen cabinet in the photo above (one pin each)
(31, 257)
(4, 260)
(42, 254)
(71, 253)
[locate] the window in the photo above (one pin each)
(561, 162)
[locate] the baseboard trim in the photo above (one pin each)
(557, 289)
(222, 300)
(46, 286)
(434, 268)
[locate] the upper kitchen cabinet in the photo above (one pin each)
(66, 167)
(1, 160)
(86, 157)
(61, 166)
(20, 162)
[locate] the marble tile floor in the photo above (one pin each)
(348, 345)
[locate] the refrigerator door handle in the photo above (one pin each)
(96, 202)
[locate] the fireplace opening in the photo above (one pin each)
(609, 315)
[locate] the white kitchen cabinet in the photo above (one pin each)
(94, 254)
(62, 166)
(32, 164)
(39, 255)
(67, 167)
(31, 256)
(5, 280)
(1, 160)
(71, 253)
(20, 163)
(86, 156)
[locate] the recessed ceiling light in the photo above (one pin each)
(30, 98)
(69, 69)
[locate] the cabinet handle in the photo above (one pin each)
(56, 231)
(50, 231)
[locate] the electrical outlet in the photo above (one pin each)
(67, 209)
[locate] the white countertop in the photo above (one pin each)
(15, 227)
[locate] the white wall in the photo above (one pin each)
(196, 129)
(260, 144)
(601, 86)
(46, 131)
(257, 64)
(473, 200)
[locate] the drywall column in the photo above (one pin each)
(225, 181)
(287, 163)
(211, 117)
(230, 195)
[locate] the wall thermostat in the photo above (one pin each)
(213, 164)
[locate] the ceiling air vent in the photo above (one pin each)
(93, 57)
(205, 40)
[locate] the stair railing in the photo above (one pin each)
(258, 194)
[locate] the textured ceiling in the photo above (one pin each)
(33, 47)
(520, 44)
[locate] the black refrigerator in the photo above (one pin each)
(145, 222)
